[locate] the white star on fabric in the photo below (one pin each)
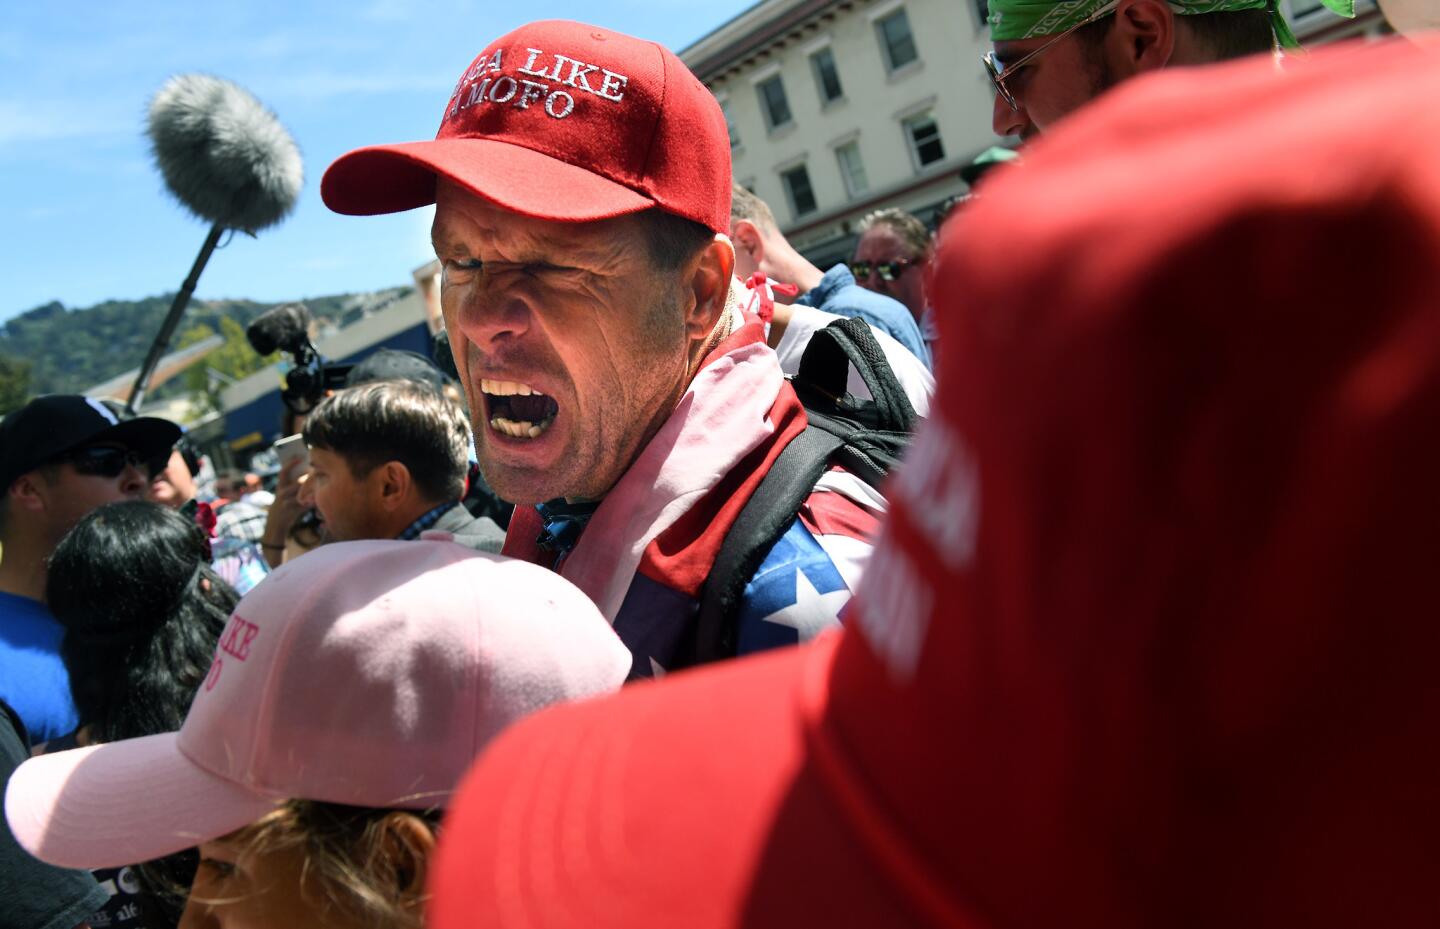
(812, 612)
(656, 668)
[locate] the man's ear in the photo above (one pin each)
(747, 239)
(406, 844)
(1142, 38)
(706, 284)
(391, 483)
(30, 492)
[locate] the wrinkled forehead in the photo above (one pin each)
(461, 216)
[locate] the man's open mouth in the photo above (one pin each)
(517, 410)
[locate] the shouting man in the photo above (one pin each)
(618, 393)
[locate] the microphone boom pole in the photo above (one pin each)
(228, 160)
(172, 320)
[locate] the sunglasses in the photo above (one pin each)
(1000, 72)
(888, 270)
(109, 461)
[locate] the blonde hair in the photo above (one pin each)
(348, 857)
(747, 206)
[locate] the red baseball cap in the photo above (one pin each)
(1149, 637)
(561, 121)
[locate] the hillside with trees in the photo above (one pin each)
(54, 349)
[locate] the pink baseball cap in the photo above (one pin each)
(365, 673)
(560, 121)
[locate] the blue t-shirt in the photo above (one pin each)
(838, 293)
(33, 679)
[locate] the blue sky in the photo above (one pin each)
(85, 213)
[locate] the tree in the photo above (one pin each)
(235, 359)
(14, 383)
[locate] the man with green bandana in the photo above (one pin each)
(1053, 56)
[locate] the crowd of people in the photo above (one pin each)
(1133, 631)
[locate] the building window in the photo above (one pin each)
(730, 124)
(773, 103)
(923, 135)
(799, 191)
(896, 40)
(852, 169)
(827, 77)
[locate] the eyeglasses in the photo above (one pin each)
(1000, 72)
(888, 270)
(108, 461)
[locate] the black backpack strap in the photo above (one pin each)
(848, 342)
(764, 519)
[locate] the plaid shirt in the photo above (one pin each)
(239, 520)
(426, 521)
(239, 527)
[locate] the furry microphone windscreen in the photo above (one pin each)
(223, 154)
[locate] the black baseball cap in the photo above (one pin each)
(49, 426)
(390, 364)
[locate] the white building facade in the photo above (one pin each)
(840, 107)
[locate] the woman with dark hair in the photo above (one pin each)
(142, 610)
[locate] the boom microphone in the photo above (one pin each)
(284, 327)
(223, 155)
(228, 160)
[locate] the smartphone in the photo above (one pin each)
(289, 449)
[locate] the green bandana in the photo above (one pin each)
(1028, 19)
